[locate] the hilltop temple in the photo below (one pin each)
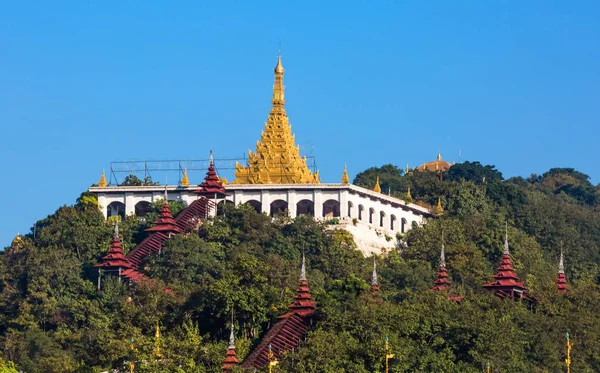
(276, 179)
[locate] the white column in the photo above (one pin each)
(343, 198)
(291, 200)
(318, 202)
(265, 200)
(103, 205)
(129, 204)
(237, 198)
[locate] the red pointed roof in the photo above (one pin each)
(115, 258)
(165, 222)
(506, 282)
(211, 186)
(303, 303)
(231, 357)
(561, 280)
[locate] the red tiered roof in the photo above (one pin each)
(211, 187)
(561, 280)
(442, 282)
(506, 283)
(231, 357)
(165, 222)
(289, 331)
(115, 257)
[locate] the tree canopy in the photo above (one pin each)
(53, 319)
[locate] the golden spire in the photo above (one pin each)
(439, 209)
(156, 349)
(408, 196)
(102, 182)
(377, 187)
(439, 156)
(184, 180)
(345, 178)
(568, 359)
(277, 159)
(406, 172)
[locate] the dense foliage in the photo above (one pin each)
(53, 320)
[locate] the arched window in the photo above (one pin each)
(142, 208)
(403, 224)
(278, 207)
(371, 215)
(381, 219)
(393, 222)
(256, 205)
(331, 208)
(361, 212)
(305, 207)
(350, 208)
(116, 208)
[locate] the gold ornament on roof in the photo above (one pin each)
(102, 181)
(184, 180)
(345, 178)
(377, 187)
(277, 158)
(408, 196)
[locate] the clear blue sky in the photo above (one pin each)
(83, 83)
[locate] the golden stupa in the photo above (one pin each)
(277, 159)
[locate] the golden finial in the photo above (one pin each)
(388, 356)
(439, 209)
(184, 180)
(408, 196)
(102, 182)
(279, 67)
(568, 359)
(439, 156)
(377, 187)
(156, 349)
(345, 179)
(406, 172)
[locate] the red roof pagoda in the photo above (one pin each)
(289, 331)
(211, 187)
(561, 280)
(442, 282)
(231, 357)
(303, 304)
(165, 222)
(506, 283)
(114, 260)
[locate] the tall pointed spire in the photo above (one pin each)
(303, 270)
(211, 159)
(439, 156)
(345, 178)
(506, 250)
(303, 304)
(277, 158)
(231, 357)
(443, 254)
(377, 187)
(442, 282)
(408, 195)
(374, 278)
(184, 180)
(506, 283)
(102, 181)
(561, 280)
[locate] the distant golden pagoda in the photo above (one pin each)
(277, 159)
(345, 178)
(102, 181)
(377, 187)
(184, 180)
(435, 166)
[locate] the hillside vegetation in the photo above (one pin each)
(52, 318)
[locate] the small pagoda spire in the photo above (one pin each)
(303, 270)
(408, 195)
(374, 277)
(211, 159)
(102, 181)
(561, 280)
(506, 283)
(439, 156)
(114, 260)
(231, 356)
(165, 222)
(345, 178)
(278, 88)
(184, 180)
(406, 172)
(377, 187)
(438, 210)
(303, 304)
(211, 187)
(442, 282)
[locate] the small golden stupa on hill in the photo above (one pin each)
(277, 159)
(438, 165)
